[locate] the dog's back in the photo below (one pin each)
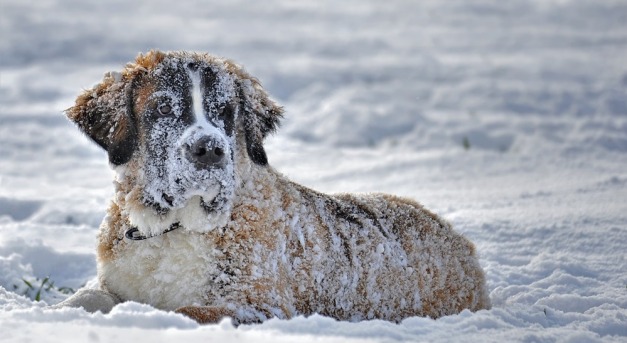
(351, 257)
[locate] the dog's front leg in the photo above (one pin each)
(91, 300)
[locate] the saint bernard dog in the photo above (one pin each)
(201, 224)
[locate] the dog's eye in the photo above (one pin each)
(223, 112)
(164, 109)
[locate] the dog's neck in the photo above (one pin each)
(257, 187)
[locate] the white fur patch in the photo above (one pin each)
(167, 271)
(197, 98)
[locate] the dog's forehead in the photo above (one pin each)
(181, 73)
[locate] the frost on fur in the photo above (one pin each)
(253, 245)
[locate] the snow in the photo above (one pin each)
(509, 119)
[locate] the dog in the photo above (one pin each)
(201, 224)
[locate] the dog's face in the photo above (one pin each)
(176, 126)
(186, 112)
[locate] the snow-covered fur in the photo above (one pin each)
(184, 133)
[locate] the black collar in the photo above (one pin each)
(133, 233)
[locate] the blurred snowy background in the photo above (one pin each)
(508, 118)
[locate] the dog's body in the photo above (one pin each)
(184, 133)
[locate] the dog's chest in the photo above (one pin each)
(167, 271)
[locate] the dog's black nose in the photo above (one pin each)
(205, 152)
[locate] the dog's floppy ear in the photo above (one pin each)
(104, 113)
(261, 116)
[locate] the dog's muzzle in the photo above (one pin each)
(205, 152)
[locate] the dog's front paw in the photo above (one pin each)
(91, 300)
(206, 314)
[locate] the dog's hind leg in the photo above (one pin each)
(207, 314)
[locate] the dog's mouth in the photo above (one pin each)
(159, 207)
(210, 206)
(167, 203)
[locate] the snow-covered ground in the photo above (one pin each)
(508, 118)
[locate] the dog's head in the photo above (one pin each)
(175, 127)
